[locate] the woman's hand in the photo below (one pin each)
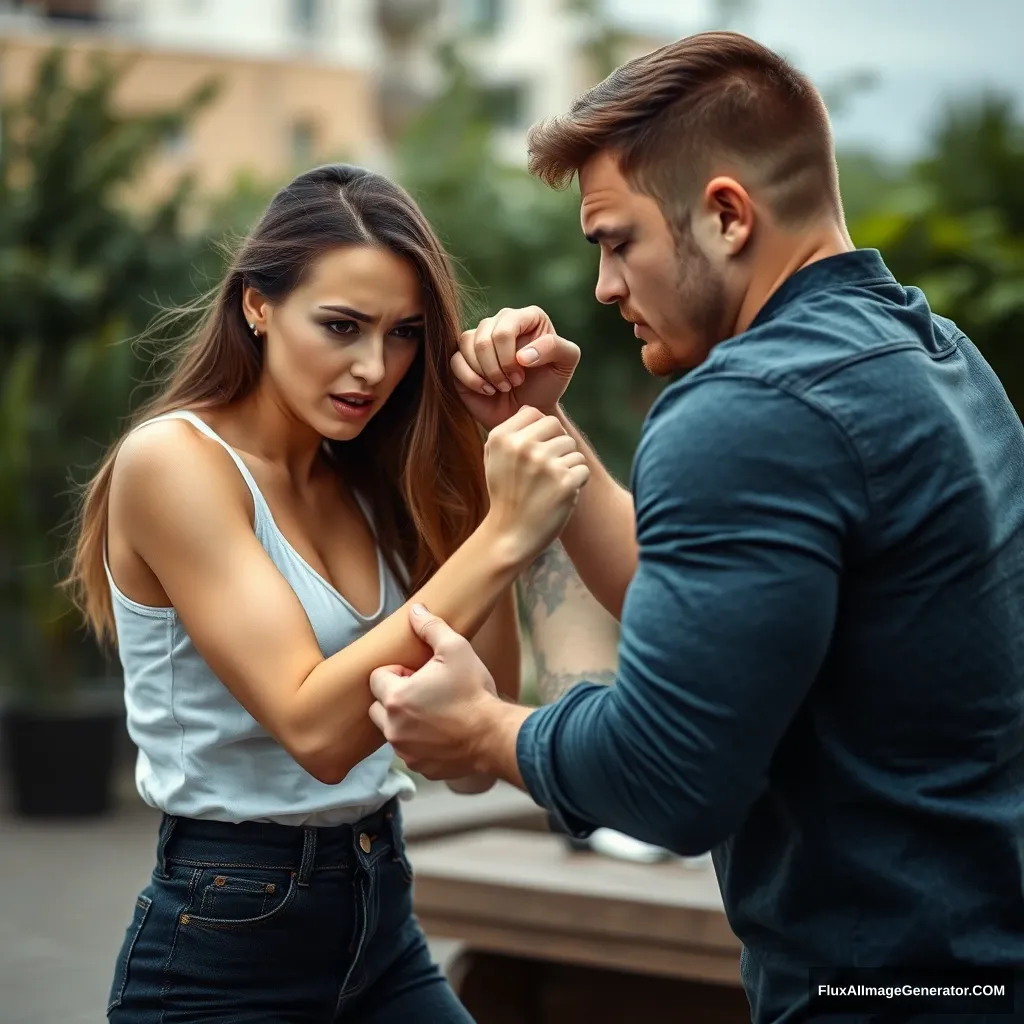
(510, 360)
(534, 472)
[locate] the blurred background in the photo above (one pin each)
(137, 136)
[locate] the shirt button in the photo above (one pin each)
(364, 842)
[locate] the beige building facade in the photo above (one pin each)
(270, 116)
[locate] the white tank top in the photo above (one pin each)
(201, 754)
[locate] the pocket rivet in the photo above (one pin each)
(219, 880)
(364, 842)
(271, 887)
(184, 919)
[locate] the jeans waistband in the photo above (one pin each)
(268, 844)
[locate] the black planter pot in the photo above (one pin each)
(61, 763)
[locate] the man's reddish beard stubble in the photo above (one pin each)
(698, 309)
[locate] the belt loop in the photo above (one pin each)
(308, 856)
(163, 842)
(393, 817)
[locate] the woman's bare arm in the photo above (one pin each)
(245, 619)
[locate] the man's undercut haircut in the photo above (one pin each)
(717, 102)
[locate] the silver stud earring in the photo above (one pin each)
(252, 327)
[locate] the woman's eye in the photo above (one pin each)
(620, 249)
(412, 331)
(342, 326)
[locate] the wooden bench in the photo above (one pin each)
(436, 811)
(547, 934)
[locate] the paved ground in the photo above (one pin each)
(68, 889)
(67, 893)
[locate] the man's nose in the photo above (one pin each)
(610, 286)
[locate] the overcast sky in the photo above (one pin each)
(921, 50)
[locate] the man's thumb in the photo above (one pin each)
(550, 350)
(433, 631)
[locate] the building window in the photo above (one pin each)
(305, 16)
(505, 105)
(482, 15)
(303, 143)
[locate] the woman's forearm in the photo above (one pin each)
(329, 726)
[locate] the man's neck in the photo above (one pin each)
(782, 255)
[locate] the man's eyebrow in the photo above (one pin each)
(604, 235)
(416, 318)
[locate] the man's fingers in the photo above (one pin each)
(509, 325)
(434, 631)
(384, 681)
(468, 377)
(379, 717)
(486, 356)
(560, 354)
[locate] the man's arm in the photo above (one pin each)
(573, 637)
(600, 538)
(745, 498)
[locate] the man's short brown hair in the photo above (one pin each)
(718, 98)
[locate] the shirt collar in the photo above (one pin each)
(858, 267)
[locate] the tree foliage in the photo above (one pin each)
(80, 272)
(953, 224)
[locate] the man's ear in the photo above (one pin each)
(725, 216)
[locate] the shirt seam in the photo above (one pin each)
(863, 357)
(174, 715)
(813, 406)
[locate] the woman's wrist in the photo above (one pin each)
(508, 545)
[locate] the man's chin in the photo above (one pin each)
(658, 359)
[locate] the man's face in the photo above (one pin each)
(662, 282)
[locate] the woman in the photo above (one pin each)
(251, 544)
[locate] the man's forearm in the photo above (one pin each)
(600, 538)
(573, 637)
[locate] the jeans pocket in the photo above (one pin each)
(142, 905)
(230, 899)
(401, 857)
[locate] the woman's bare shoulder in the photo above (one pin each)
(170, 467)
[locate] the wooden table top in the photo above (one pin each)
(528, 894)
(436, 811)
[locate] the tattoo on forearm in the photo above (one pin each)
(547, 580)
(552, 589)
(553, 685)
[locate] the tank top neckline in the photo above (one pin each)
(263, 507)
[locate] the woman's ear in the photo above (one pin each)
(254, 309)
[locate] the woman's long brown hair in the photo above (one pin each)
(419, 462)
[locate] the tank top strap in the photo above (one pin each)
(260, 506)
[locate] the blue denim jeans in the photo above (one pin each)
(272, 924)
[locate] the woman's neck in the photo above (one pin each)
(263, 425)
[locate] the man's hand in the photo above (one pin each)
(513, 359)
(439, 719)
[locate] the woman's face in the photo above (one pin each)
(341, 342)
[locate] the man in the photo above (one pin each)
(820, 574)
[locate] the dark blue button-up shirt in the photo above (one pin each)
(821, 673)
